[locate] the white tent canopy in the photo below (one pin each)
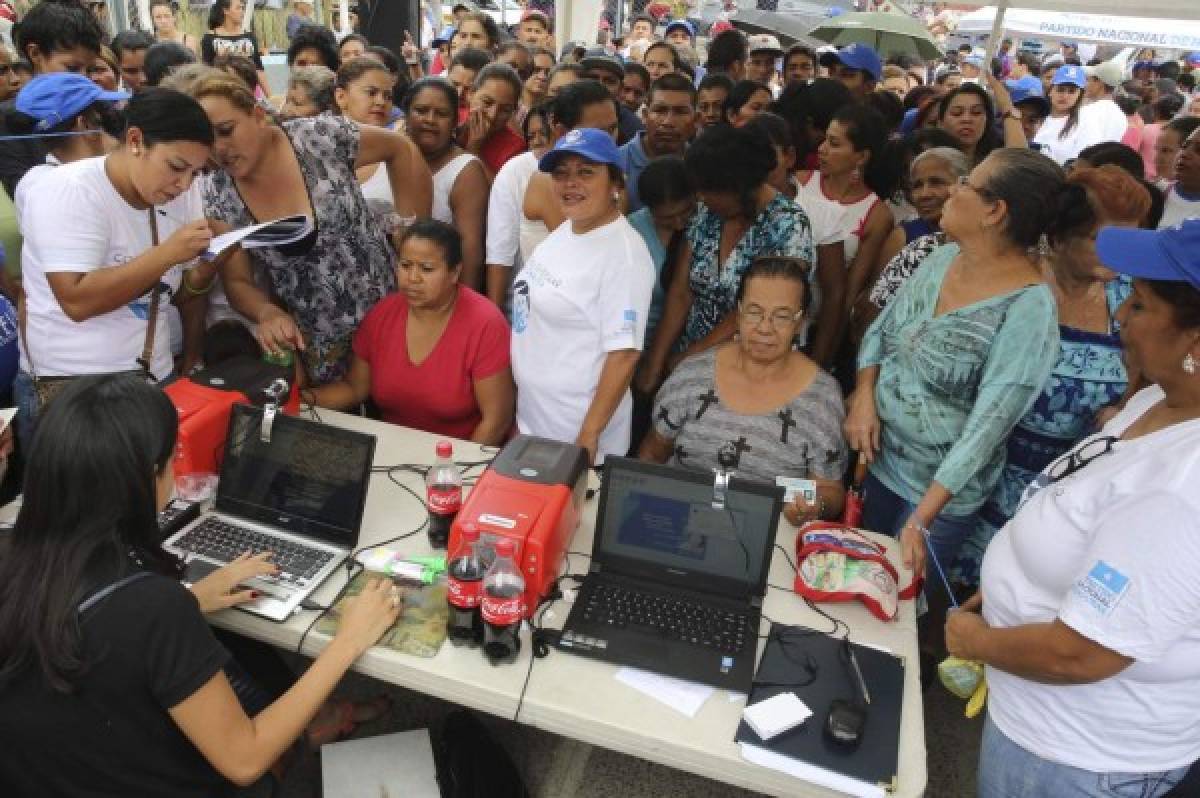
(1177, 34)
(1158, 9)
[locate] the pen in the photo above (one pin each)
(862, 683)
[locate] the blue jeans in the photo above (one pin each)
(886, 512)
(1006, 770)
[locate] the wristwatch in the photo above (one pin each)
(1012, 113)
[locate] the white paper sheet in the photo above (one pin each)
(279, 232)
(680, 695)
(810, 773)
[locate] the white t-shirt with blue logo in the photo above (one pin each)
(578, 298)
(1113, 551)
(75, 221)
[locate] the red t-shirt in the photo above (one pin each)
(499, 147)
(438, 395)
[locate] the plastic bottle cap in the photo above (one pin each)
(470, 531)
(444, 449)
(505, 547)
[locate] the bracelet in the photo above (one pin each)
(187, 285)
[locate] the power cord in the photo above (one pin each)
(351, 572)
(542, 639)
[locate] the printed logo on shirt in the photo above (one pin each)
(1103, 587)
(520, 307)
(629, 321)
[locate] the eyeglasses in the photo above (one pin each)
(780, 319)
(1074, 461)
(986, 193)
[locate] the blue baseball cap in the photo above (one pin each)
(58, 97)
(856, 56)
(680, 23)
(1070, 74)
(1192, 59)
(1029, 84)
(1172, 253)
(588, 143)
(1021, 95)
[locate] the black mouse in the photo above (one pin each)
(844, 724)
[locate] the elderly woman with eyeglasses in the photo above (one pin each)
(956, 359)
(1088, 615)
(756, 405)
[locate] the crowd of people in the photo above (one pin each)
(974, 278)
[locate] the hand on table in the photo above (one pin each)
(223, 587)
(369, 614)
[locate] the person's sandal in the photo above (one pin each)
(337, 719)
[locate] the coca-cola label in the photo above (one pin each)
(502, 611)
(464, 595)
(444, 499)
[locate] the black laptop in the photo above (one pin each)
(678, 573)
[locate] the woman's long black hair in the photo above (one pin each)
(89, 509)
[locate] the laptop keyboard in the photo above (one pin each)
(224, 542)
(711, 627)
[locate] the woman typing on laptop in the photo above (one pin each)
(109, 673)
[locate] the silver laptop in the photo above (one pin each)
(300, 495)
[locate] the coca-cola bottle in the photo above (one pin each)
(464, 590)
(503, 605)
(443, 494)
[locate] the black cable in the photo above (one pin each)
(350, 574)
(838, 625)
(540, 639)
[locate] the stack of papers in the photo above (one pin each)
(683, 696)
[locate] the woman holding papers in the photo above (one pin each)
(328, 281)
(108, 241)
(109, 672)
(1088, 615)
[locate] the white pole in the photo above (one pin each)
(248, 18)
(344, 12)
(997, 29)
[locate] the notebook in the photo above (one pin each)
(678, 572)
(869, 769)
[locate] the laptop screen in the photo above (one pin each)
(660, 521)
(310, 479)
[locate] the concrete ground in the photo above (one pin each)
(558, 768)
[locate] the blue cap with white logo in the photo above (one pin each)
(58, 97)
(1172, 253)
(1070, 74)
(856, 56)
(588, 143)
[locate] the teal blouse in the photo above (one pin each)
(951, 387)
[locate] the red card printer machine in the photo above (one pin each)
(533, 492)
(205, 401)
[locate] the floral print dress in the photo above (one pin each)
(781, 228)
(330, 281)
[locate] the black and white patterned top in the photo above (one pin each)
(902, 266)
(800, 439)
(329, 286)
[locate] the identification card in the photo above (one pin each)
(793, 487)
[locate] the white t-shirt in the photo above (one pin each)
(76, 221)
(1113, 551)
(1085, 133)
(505, 209)
(1177, 209)
(1107, 118)
(579, 298)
